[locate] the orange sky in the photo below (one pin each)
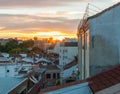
(55, 34)
(43, 18)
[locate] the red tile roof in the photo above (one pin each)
(36, 66)
(71, 64)
(105, 79)
(50, 67)
(98, 82)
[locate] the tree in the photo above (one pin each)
(27, 44)
(1, 48)
(15, 51)
(12, 44)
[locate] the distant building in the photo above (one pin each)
(43, 61)
(57, 48)
(69, 69)
(3, 59)
(52, 74)
(41, 43)
(67, 52)
(99, 41)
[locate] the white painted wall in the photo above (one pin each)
(68, 72)
(57, 48)
(67, 54)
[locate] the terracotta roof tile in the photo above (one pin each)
(105, 79)
(71, 64)
(50, 67)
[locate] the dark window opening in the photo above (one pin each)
(58, 75)
(48, 76)
(54, 75)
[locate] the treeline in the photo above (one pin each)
(14, 47)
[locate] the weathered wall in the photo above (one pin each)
(105, 41)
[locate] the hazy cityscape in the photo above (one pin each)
(60, 47)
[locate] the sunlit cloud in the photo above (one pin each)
(42, 23)
(30, 26)
(2, 27)
(42, 18)
(39, 3)
(54, 34)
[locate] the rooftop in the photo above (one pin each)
(12, 70)
(107, 9)
(8, 83)
(69, 44)
(98, 82)
(69, 88)
(74, 89)
(50, 67)
(105, 79)
(71, 64)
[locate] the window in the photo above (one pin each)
(64, 57)
(48, 76)
(65, 50)
(63, 63)
(58, 75)
(54, 75)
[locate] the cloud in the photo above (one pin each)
(116, 0)
(30, 24)
(37, 3)
(30, 3)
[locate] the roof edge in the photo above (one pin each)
(105, 10)
(62, 86)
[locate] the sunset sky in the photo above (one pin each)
(44, 18)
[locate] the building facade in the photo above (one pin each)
(68, 51)
(98, 41)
